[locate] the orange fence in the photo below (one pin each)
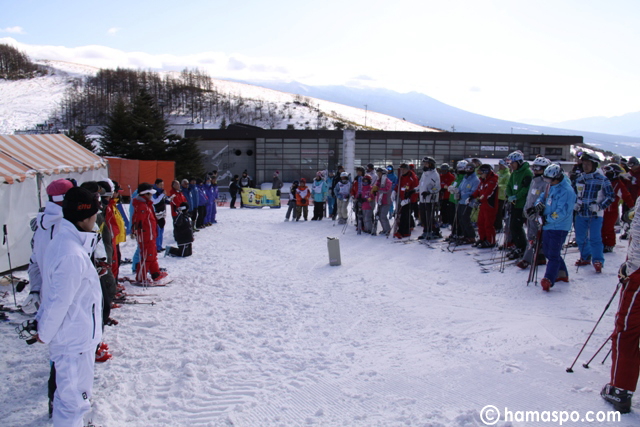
(130, 173)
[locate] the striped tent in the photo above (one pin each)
(28, 163)
(50, 154)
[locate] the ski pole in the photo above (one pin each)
(607, 355)
(570, 368)
(586, 365)
(5, 240)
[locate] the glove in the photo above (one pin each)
(622, 273)
(404, 202)
(536, 209)
(102, 267)
(512, 199)
(468, 201)
(452, 189)
(424, 194)
(32, 303)
(595, 207)
(374, 188)
(578, 205)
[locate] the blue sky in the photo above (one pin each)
(550, 60)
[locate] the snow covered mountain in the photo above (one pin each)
(424, 110)
(26, 103)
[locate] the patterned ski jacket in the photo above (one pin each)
(593, 188)
(620, 192)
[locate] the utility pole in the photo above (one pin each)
(366, 109)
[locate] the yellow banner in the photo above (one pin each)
(254, 198)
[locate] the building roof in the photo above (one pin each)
(22, 155)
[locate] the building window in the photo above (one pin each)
(535, 151)
(553, 151)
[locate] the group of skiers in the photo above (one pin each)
(75, 265)
(536, 205)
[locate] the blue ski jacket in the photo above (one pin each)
(467, 187)
(558, 209)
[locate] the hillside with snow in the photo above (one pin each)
(27, 103)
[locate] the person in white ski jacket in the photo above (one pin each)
(429, 190)
(70, 317)
(44, 226)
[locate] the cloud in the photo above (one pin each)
(13, 30)
(217, 64)
(112, 31)
(236, 65)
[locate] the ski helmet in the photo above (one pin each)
(367, 178)
(541, 161)
(485, 168)
(344, 175)
(633, 161)
(461, 165)
(470, 167)
(444, 167)
(381, 170)
(554, 172)
(612, 170)
(516, 156)
(593, 158)
(430, 161)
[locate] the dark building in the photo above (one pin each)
(301, 153)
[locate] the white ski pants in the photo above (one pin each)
(74, 383)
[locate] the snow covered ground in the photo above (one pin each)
(258, 330)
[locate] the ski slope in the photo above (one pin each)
(258, 330)
(26, 103)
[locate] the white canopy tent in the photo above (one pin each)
(28, 163)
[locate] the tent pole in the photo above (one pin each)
(39, 184)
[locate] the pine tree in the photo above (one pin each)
(117, 137)
(150, 129)
(79, 135)
(187, 155)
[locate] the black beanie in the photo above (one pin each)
(79, 204)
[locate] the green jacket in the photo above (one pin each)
(518, 184)
(503, 180)
(459, 178)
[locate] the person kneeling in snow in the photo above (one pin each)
(70, 317)
(183, 233)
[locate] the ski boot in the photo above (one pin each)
(598, 266)
(619, 398)
(546, 284)
(607, 249)
(580, 262)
